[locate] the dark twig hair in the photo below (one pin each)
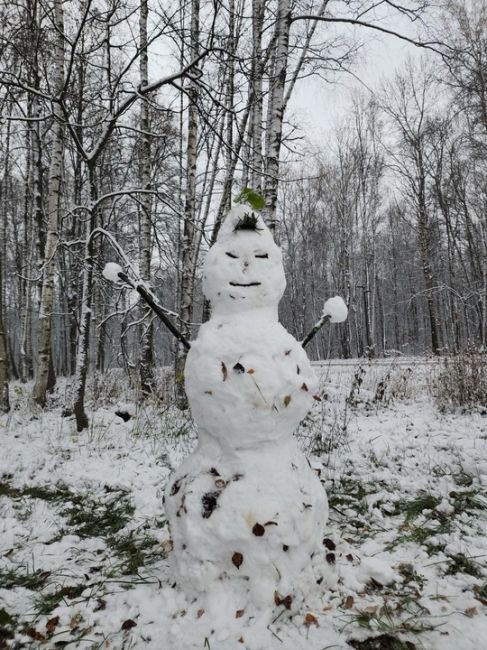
(247, 222)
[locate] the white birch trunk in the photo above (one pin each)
(53, 201)
(187, 249)
(145, 245)
(82, 359)
(276, 111)
(256, 130)
(4, 400)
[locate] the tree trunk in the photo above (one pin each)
(257, 97)
(44, 374)
(187, 253)
(275, 111)
(82, 360)
(4, 400)
(145, 244)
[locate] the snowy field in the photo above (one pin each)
(84, 544)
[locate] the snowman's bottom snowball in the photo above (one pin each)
(255, 519)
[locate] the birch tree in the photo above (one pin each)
(53, 208)
(186, 285)
(145, 221)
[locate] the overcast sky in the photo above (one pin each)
(318, 106)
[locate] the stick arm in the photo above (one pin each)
(334, 311)
(326, 318)
(151, 300)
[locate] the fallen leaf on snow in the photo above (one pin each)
(310, 619)
(128, 624)
(237, 559)
(51, 624)
(330, 544)
(258, 530)
(348, 602)
(224, 371)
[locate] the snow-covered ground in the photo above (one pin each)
(84, 543)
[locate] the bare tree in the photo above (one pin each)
(44, 379)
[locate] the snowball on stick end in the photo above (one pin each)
(336, 309)
(111, 271)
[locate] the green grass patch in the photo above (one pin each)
(406, 616)
(18, 577)
(46, 602)
(90, 518)
(461, 564)
(55, 493)
(86, 516)
(415, 507)
(134, 552)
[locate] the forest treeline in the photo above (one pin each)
(127, 126)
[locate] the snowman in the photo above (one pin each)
(246, 511)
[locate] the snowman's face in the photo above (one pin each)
(244, 271)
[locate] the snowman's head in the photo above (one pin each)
(243, 269)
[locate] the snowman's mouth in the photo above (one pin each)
(249, 284)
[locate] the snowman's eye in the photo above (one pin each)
(234, 257)
(262, 256)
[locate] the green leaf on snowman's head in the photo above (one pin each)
(251, 197)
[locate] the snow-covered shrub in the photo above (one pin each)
(462, 382)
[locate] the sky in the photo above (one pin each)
(318, 106)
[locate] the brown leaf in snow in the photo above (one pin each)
(310, 619)
(349, 557)
(176, 486)
(287, 400)
(209, 501)
(224, 371)
(200, 613)
(239, 613)
(128, 624)
(348, 602)
(330, 558)
(330, 544)
(471, 611)
(286, 601)
(239, 368)
(237, 559)
(250, 371)
(258, 530)
(34, 634)
(304, 387)
(317, 398)
(51, 624)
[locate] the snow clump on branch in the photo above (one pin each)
(111, 271)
